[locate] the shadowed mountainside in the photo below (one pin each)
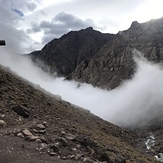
(63, 55)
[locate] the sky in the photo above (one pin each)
(29, 24)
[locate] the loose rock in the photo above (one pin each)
(20, 135)
(26, 132)
(63, 141)
(2, 123)
(70, 137)
(40, 126)
(21, 110)
(54, 148)
(87, 160)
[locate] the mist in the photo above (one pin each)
(134, 102)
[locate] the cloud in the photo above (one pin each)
(71, 21)
(16, 39)
(32, 5)
(6, 15)
(59, 25)
(36, 18)
(135, 102)
(26, 6)
(10, 23)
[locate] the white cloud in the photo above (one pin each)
(61, 23)
(105, 15)
(16, 39)
(12, 31)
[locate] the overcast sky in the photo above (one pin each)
(29, 24)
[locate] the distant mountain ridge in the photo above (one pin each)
(63, 55)
(103, 60)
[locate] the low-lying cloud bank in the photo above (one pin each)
(136, 101)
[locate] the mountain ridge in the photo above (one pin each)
(111, 60)
(63, 57)
(115, 58)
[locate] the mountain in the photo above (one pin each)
(103, 60)
(114, 62)
(63, 55)
(107, 66)
(38, 127)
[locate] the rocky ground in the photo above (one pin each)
(36, 127)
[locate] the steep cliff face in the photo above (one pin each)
(64, 54)
(114, 61)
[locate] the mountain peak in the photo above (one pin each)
(135, 25)
(89, 28)
(72, 49)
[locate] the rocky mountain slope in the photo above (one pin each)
(103, 60)
(36, 127)
(64, 54)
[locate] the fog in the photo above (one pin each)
(134, 102)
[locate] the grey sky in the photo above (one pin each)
(59, 25)
(28, 25)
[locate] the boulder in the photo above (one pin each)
(21, 110)
(2, 123)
